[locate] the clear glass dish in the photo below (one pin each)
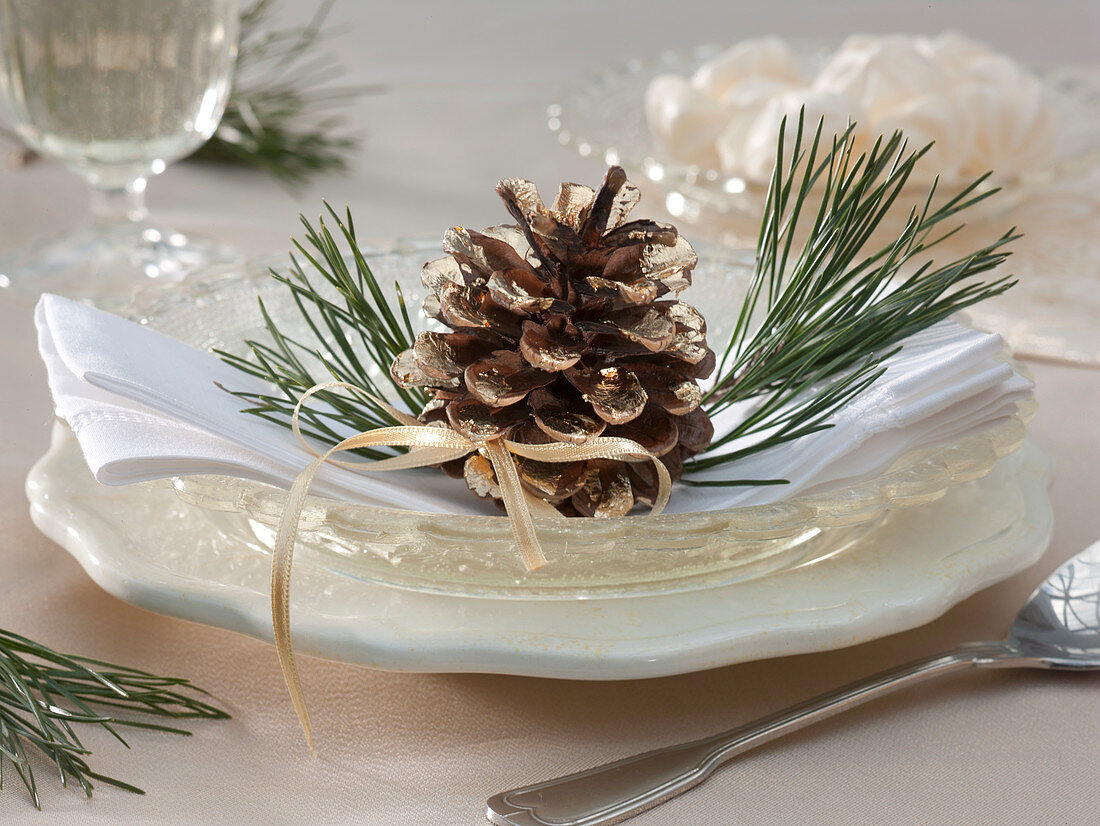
(476, 554)
(603, 115)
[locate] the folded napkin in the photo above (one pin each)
(145, 406)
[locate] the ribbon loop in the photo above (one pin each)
(428, 446)
(601, 447)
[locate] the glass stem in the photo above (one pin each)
(119, 205)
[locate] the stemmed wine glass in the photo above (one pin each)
(117, 90)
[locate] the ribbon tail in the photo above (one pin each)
(430, 446)
(282, 558)
(540, 507)
(515, 504)
(664, 486)
(436, 446)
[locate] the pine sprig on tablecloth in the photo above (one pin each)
(46, 695)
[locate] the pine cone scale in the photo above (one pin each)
(551, 350)
(504, 379)
(564, 419)
(614, 394)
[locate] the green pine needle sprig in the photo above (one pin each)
(819, 319)
(357, 331)
(283, 116)
(45, 696)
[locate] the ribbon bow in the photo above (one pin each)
(430, 446)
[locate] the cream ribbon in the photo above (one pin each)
(430, 446)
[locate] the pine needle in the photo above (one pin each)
(813, 332)
(44, 695)
(819, 320)
(355, 336)
(283, 112)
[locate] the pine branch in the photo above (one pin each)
(355, 336)
(44, 695)
(818, 321)
(282, 116)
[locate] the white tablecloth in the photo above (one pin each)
(468, 83)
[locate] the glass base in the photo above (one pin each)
(106, 265)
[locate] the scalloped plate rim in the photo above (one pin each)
(723, 640)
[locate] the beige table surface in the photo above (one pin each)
(468, 83)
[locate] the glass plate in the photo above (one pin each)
(476, 554)
(603, 115)
(146, 546)
(1053, 312)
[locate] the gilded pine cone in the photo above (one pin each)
(564, 327)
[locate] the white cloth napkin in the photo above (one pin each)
(144, 406)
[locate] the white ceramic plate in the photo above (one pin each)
(144, 545)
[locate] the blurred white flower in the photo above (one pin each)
(953, 52)
(763, 57)
(1013, 133)
(933, 118)
(981, 109)
(881, 73)
(757, 157)
(684, 120)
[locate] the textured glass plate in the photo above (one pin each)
(1053, 312)
(146, 546)
(603, 115)
(476, 554)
